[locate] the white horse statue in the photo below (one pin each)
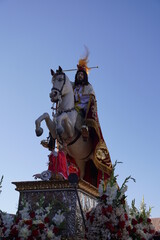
(62, 126)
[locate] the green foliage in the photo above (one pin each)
(113, 177)
(1, 184)
(142, 212)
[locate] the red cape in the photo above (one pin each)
(101, 166)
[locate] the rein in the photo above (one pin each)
(65, 111)
(74, 140)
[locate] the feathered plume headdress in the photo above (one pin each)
(82, 64)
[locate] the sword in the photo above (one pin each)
(75, 69)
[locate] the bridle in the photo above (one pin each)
(58, 112)
(64, 81)
(59, 90)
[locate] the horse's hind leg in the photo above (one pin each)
(69, 128)
(64, 125)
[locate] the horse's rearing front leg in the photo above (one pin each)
(38, 129)
(49, 124)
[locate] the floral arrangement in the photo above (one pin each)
(142, 227)
(30, 225)
(113, 219)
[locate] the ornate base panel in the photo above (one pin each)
(87, 202)
(63, 196)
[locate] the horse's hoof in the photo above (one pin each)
(39, 132)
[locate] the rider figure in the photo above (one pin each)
(82, 92)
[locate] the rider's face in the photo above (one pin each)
(80, 76)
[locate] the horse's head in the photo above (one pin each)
(60, 85)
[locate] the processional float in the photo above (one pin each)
(68, 180)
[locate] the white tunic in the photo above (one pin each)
(82, 95)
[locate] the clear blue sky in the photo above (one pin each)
(124, 41)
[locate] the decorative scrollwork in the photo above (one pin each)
(46, 175)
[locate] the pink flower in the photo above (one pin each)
(123, 200)
(14, 231)
(35, 232)
(46, 220)
(32, 214)
(140, 220)
(17, 220)
(30, 238)
(4, 229)
(103, 210)
(134, 229)
(148, 220)
(151, 231)
(110, 226)
(145, 230)
(28, 222)
(41, 226)
(109, 209)
(128, 228)
(119, 234)
(55, 230)
(121, 224)
(134, 221)
(126, 216)
(103, 197)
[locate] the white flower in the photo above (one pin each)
(25, 211)
(141, 233)
(101, 188)
(118, 211)
(7, 232)
(43, 236)
(58, 218)
(127, 207)
(7, 219)
(24, 232)
(48, 209)
(38, 221)
(50, 234)
(57, 238)
(111, 192)
(124, 189)
(113, 218)
(39, 211)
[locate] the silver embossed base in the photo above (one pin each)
(61, 193)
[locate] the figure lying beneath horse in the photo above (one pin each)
(76, 127)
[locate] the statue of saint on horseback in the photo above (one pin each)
(75, 125)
